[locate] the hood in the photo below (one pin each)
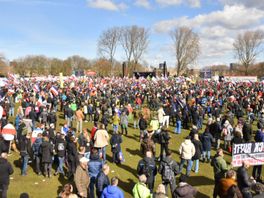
(111, 189)
(183, 189)
(94, 157)
(187, 141)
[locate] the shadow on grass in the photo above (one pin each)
(134, 152)
(200, 181)
(126, 186)
(128, 168)
(201, 195)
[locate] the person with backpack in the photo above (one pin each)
(164, 138)
(60, 149)
(147, 166)
(227, 133)
(169, 169)
(36, 152)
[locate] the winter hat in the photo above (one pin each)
(183, 178)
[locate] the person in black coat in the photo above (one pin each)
(25, 152)
(3, 146)
(147, 166)
(52, 118)
(33, 116)
(174, 170)
(102, 180)
(60, 149)
(115, 142)
(164, 138)
(207, 140)
(51, 133)
(72, 156)
(247, 132)
(243, 180)
(198, 152)
(6, 170)
(46, 150)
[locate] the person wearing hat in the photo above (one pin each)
(81, 177)
(148, 143)
(184, 189)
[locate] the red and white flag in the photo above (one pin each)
(54, 91)
(36, 88)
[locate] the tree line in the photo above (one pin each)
(133, 42)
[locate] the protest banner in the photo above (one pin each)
(251, 152)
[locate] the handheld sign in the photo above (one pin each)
(250, 152)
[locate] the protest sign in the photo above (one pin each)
(251, 152)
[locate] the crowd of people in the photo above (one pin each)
(213, 112)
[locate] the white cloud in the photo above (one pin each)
(106, 5)
(217, 30)
(143, 3)
(259, 4)
(231, 17)
(191, 3)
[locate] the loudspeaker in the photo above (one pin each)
(123, 69)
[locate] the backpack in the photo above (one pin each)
(167, 173)
(147, 170)
(36, 148)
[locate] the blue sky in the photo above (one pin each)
(61, 28)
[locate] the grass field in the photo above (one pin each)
(40, 187)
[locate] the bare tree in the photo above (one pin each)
(134, 41)
(108, 42)
(140, 44)
(187, 47)
(247, 47)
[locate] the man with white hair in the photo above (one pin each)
(6, 170)
(81, 177)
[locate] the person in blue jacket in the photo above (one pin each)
(94, 167)
(112, 191)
